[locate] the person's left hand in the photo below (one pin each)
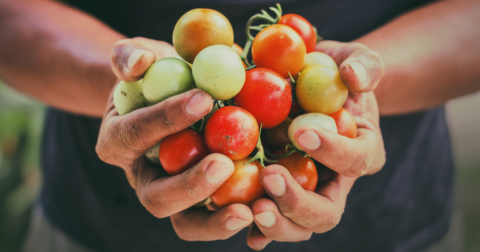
(293, 214)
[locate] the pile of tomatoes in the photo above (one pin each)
(287, 85)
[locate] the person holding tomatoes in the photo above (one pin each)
(396, 59)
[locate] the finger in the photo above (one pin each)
(133, 134)
(307, 209)
(361, 68)
(276, 226)
(205, 225)
(164, 195)
(132, 57)
(256, 239)
(362, 155)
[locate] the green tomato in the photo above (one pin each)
(219, 71)
(321, 90)
(317, 119)
(128, 97)
(318, 58)
(165, 78)
(153, 154)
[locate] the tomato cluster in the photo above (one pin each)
(286, 79)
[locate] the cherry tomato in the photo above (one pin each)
(302, 169)
(232, 131)
(219, 71)
(303, 28)
(243, 186)
(128, 97)
(317, 119)
(199, 29)
(165, 78)
(346, 126)
(319, 58)
(278, 136)
(182, 150)
(280, 48)
(321, 90)
(266, 95)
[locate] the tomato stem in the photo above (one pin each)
(303, 153)
(259, 16)
(260, 155)
(294, 86)
(281, 156)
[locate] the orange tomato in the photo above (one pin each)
(243, 186)
(302, 169)
(346, 126)
(280, 48)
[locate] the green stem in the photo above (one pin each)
(281, 156)
(260, 155)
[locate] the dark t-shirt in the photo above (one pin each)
(404, 207)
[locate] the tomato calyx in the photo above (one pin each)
(264, 16)
(260, 155)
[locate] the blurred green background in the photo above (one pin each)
(21, 121)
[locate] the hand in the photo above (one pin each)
(294, 214)
(361, 70)
(123, 141)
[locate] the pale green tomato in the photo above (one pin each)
(318, 58)
(153, 154)
(219, 71)
(165, 78)
(128, 97)
(320, 90)
(317, 119)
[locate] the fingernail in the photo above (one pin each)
(234, 223)
(266, 219)
(309, 140)
(217, 172)
(134, 57)
(275, 184)
(360, 71)
(198, 104)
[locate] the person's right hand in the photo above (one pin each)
(123, 141)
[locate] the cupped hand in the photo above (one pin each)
(123, 141)
(294, 214)
(361, 70)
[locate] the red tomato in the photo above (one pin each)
(346, 126)
(280, 48)
(232, 131)
(303, 28)
(243, 186)
(302, 169)
(278, 136)
(182, 150)
(266, 95)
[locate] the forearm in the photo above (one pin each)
(431, 55)
(57, 55)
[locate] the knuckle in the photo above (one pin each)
(131, 135)
(330, 221)
(293, 208)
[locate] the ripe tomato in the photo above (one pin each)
(219, 71)
(182, 150)
(303, 28)
(317, 119)
(280, 48)
(266, 95)
(243, 186)
(319, 58)
(232, 131)
(198, 29)
(278, 136)
(321, 90)
(346, 126)
(165, 78)
(302, 169)
(128, 97)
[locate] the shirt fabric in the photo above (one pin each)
(404, 207)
